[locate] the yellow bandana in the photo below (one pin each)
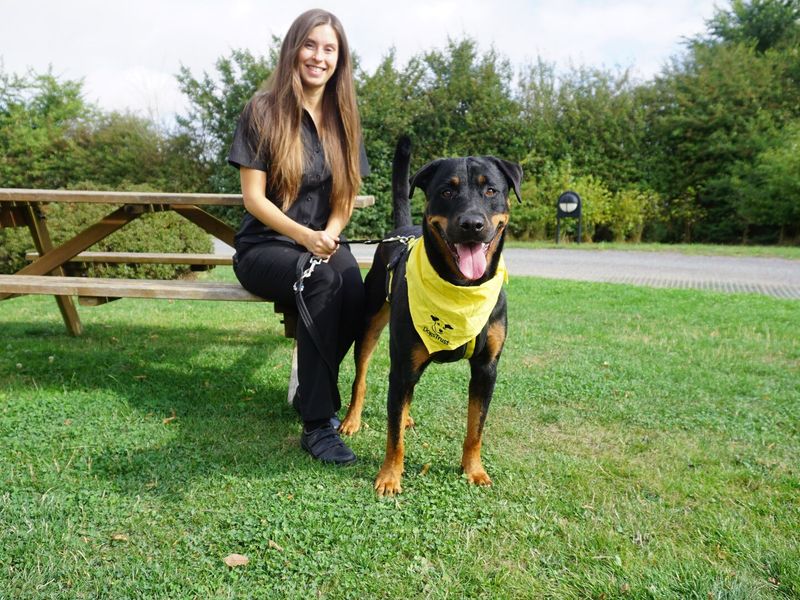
(447, 316)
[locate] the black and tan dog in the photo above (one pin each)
(463, 229)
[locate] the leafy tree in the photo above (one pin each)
(592, 117)
(41, 121)
(715, 109)
(469, 107)
(389, 100)
(768, 189)
(215, 104)
(765, 24)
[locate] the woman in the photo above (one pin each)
(298, 149)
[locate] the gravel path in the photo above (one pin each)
(768, 276)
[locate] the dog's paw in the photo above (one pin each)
(388, 483)
(409, 423)
(349, 426)
(478, 477)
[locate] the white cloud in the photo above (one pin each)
(129, 53)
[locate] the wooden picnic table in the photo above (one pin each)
(46, 273)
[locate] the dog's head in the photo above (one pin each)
(466, 213)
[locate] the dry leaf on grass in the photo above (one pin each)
(119, 537)
(236, 560)
(275, 546)
(168, 420)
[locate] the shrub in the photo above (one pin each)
(630, 210)
(535, 218)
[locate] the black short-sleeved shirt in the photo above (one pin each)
(312, 206)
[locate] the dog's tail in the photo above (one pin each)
(401, 203)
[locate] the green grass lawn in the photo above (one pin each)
(644, 443)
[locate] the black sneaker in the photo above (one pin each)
(325, 445)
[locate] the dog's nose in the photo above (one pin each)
(471, 224)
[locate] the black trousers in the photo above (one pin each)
(334, 295)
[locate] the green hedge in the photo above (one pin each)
(618, 216)
(152, 232)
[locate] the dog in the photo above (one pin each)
(462, 234)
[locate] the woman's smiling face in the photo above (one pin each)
(318, 57)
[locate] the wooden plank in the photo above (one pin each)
(94, 197)
(125, 288)
(135, 258)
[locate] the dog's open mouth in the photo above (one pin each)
(471, 259)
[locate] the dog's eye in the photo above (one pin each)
(447, 193)
(490, 192)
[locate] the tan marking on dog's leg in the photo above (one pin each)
(388, 481)
(352, 421)
(495, 338)
(471, 457)
(419, 356)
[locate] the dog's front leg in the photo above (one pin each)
(481, 387)
(483, 369)
(405, 372)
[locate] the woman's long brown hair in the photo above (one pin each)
(278, 111)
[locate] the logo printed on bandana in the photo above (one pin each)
(438, 330)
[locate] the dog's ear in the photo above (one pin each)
(422, 177)
(512, 171)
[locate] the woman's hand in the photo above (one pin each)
(320, 243)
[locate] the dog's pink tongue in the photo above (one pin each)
(471, 260)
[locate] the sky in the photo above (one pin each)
(128, 52)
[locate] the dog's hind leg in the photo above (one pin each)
(364, 350)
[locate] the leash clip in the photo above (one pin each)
(315, 260)
(403, 239)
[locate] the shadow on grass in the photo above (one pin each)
(160, 409)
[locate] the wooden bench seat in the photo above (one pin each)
(179, 289)
(96, 290)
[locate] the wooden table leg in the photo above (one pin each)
(41, 239)
(51, 259)
(207, 222)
